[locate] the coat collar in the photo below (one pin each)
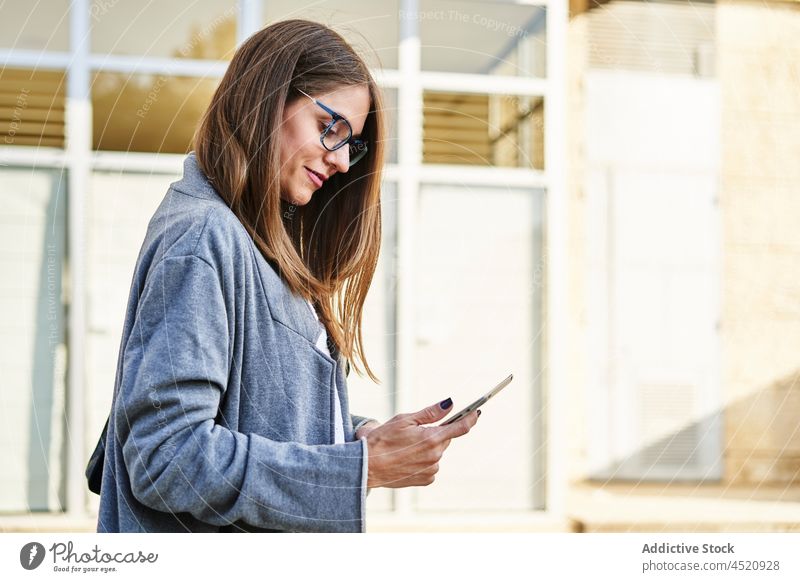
(287, 308)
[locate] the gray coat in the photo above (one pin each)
(222, 415)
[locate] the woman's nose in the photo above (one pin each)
(340, 159)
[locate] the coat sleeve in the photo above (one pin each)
(178, 459)
(359, 421)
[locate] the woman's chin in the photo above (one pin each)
(299, 198)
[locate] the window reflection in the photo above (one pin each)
(371, 27)
(496, 232)
(33, 358)
(27, 25)
(496, 38)
(201, 29)
(147, 113)
(483, 130)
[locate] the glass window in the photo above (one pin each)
(201, 29)
(32, 339)
(32, 108)
(27, 25)
(483, 130)
(478, 300)
(147, 113)
(498, 38)
(366, 397)
(371, 27)
(118, 207)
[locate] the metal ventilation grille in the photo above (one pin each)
(32, 108)
(669, 434)
(667, 37)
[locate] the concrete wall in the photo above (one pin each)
(759, 73)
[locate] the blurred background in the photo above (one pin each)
(600, 197)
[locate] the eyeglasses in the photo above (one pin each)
(339, 132)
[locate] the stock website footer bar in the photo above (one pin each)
(389, 556)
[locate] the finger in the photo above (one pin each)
(432, 413)
(458, 428)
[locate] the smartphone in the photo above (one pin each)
(480, 401)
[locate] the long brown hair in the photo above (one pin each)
(327, 250)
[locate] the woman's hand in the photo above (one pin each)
(402, 453)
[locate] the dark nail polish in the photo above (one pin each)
(479, 413)
(445, 404)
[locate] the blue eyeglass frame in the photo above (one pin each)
(360, 144)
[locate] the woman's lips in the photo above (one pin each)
(314, 178)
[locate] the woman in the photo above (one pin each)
(230, 409)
